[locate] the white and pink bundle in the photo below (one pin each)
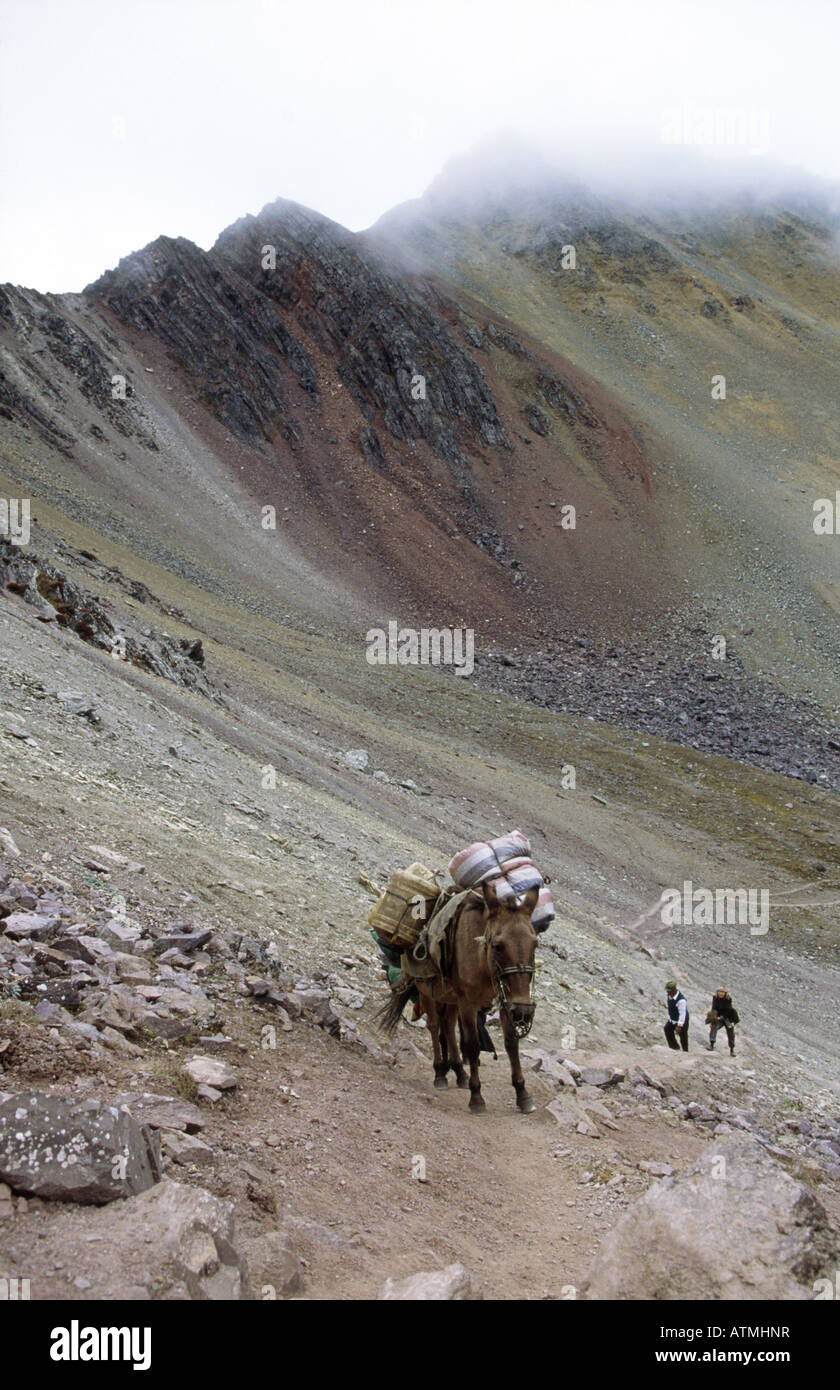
(507, 861)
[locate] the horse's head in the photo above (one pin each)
(511, 942)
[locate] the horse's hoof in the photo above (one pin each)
(463, 1083)
(526, 1105)
(477, 1107)
(441, 1083)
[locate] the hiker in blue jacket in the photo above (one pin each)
(677, 1025)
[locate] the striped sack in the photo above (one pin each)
(486, 857)
(506, 861)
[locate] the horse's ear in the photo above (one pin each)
(530, 900)
(490, 898)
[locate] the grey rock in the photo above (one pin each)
(209, 1071)
(701, 1113)
(120, 935)
(601, 1076)
(73, 1150)
(76, 702)
(31, 926)
(552, 1065)
(162, 1112)
(186, 1149)
(357, 758)
(176, 1242)
(275, 1266)
(452, 1284)
(182, 941)
(8, 843)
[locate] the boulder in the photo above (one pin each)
(357, 758)
(175, 1242)
(8, 843)
(601, 1076)
(442, 1285)
(76, 702)
(186, 1148)
(209, 1071)
(315, 1004)
(182, 941)
(74, 1150)
(88, 949)
(734, 1226)
(120, 935)
(701, 1113)
(275, 1266)
(31, 926)
(162, 1112)
(640, 1077)
(551, 1065)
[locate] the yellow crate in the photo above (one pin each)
(405, 905)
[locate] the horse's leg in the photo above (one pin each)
(441, 1066)
(523, 1100)
(455, 1060)
(469, 1038)
(444, 1041)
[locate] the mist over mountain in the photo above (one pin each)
(421, 401)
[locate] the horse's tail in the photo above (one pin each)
(390, 1014)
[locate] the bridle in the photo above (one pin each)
(522, 1027)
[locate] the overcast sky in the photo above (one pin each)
(124, 119)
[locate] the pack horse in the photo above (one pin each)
(483, 939)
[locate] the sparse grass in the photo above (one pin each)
(15, 1011)
(175, 1081)
(602, 1173)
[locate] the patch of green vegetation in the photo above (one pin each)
(93, 881)
(175, 1081)
(602, 1173)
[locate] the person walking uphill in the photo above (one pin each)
(677, 1025)
(722, 1014)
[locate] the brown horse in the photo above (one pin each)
(492, 947)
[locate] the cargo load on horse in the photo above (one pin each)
(465, 947)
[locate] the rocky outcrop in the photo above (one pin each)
(56, 598)
(238, 321)
(384, 331)
(735, 1226)
(177, 1242)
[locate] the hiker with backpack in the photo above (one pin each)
(677, 1025)
(722, 1014)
